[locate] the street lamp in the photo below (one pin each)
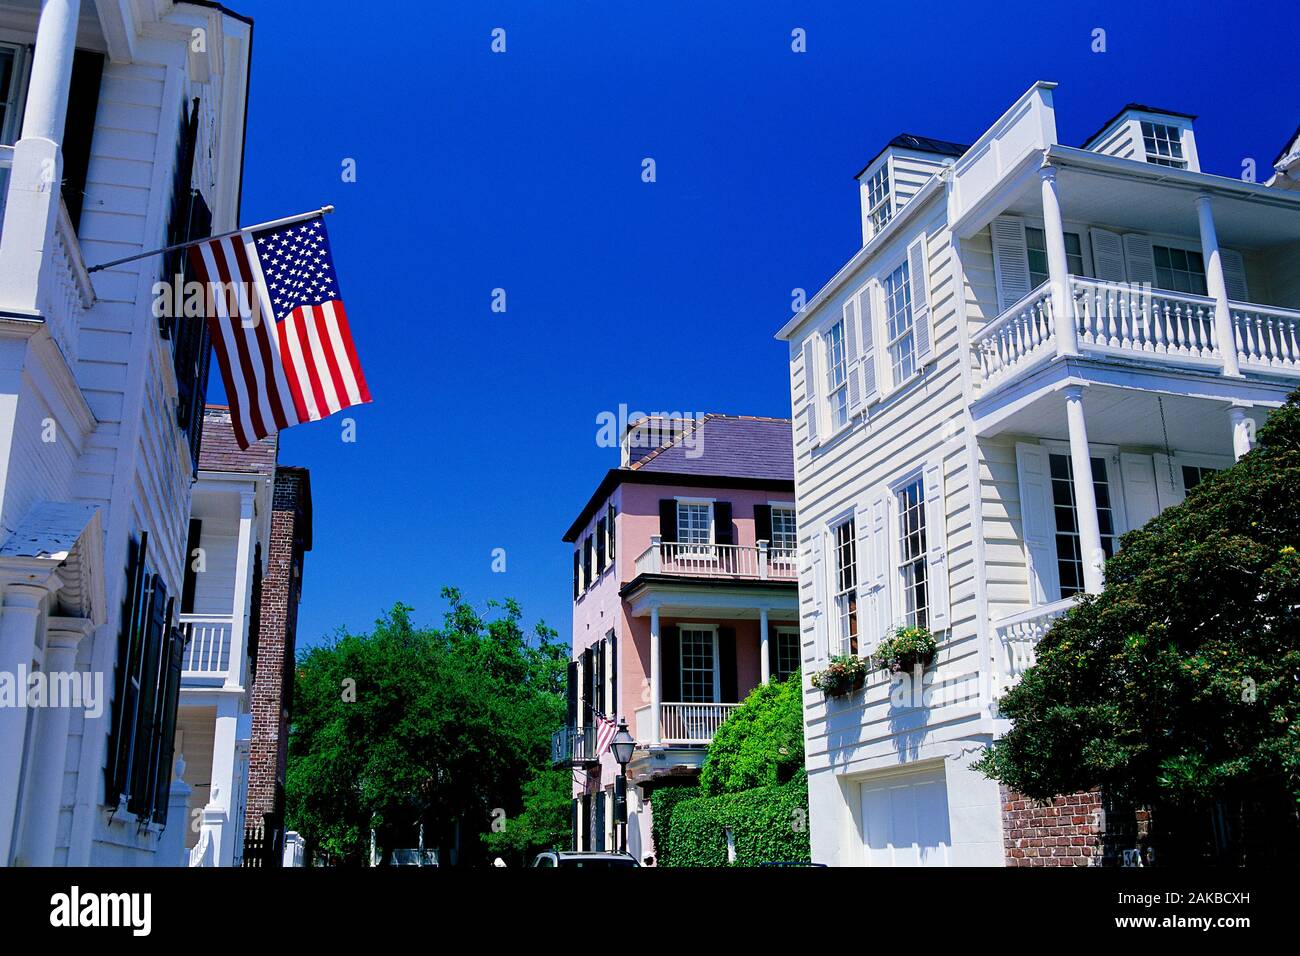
(622, 746)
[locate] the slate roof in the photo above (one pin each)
(220, 451)
(727, 446)
(922, 144)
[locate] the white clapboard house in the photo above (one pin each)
(1037, 348)
(122, 127)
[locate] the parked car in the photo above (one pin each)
(595, 861)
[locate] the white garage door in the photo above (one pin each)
(905, 820)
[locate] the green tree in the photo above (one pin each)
(407, 726)
(543, 823)
(1180, 683)
(760, 743)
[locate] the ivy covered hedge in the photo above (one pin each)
(662, 802)
(768, 824)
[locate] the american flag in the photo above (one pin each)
(605, 730)
(278, 327)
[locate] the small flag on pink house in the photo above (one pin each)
(278, 327)
(605, 730)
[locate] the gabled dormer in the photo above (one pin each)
(1148, 135)
(894, 175)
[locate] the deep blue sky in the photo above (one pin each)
(522, 171)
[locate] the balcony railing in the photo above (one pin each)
(1136, 321)
(1017, 636)
(208, 651)
(719, 561)
(574, 746)
(682, 723)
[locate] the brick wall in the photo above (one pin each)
(1081, 829)
(273, 684)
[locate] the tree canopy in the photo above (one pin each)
(1180, 682)
(407, 725)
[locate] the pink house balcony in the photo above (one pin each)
(723, 561)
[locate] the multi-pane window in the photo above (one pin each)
(837, 378)
(1193, 475)
(1164, 145)
(911, 532)
(846, 586)
(879, 206)
(784, 534)
(1179, 270)
(697, 664)
(693, 524)
(787, 653)
(1069, 554)
(898, 323)
(1036, 245)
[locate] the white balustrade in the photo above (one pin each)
(1137, 319)
(1022, 335)
(682, 723)
(719, 561)
(1016, 637)
(208, 651)
(1268, 339)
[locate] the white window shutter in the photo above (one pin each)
(810, 386)
(866, 577)
(1234, 275)
(1010, 260)
(1169, 490)
(936, 546)
(850, 313)
(918, 269)
(1107, 256)
(868, 361)
(1139, 260)
(817, 600)
(881, 568)
(1141, 500)
(1037, 522)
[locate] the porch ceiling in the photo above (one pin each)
(1164, 206)
(1132, 418)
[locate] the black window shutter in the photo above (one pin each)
(127, 685)
(668, 519)
(255, 619)
(586, 820)
(191, 575)
(722, 523)
(183, 195)
(670, 653)
(598, 676)
(147, 705)
(79, 129)
(613, 675)
(573, 823)
(572, 688)
(600, 545)
(191, 351)
(727, 665)
(170, 704)
(610, 519)
(577, 574)
(586, 560)
(587, 687)
(762, 522)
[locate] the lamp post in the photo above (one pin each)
(622, 746)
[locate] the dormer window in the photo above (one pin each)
(880, 207)
(1164, 144)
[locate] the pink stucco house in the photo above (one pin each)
(685, 597)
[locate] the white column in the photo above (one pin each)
(1058, 265)
(19, 618)
(222, 797)
(49, 753)
(237, 675)
(32, 206)
(1243, 429)
(764, 554)
(656, 677)
(764, 647)
(1085, 495)
(1217, 286)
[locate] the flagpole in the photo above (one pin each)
(323, 210)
